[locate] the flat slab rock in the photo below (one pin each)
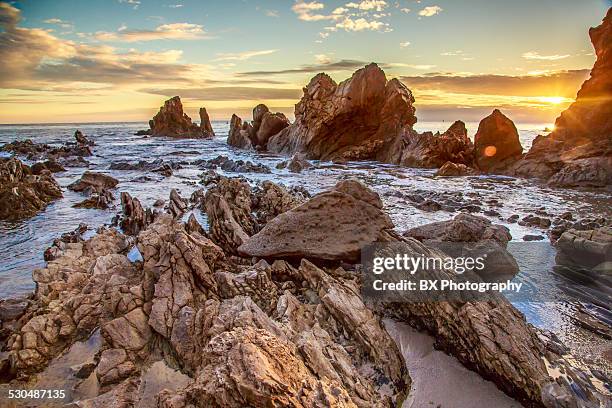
(333, 225)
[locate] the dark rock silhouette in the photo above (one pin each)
(171, 121)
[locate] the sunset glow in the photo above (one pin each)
(60, 65)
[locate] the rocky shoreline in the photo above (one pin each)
(261, 304)
(288, 331)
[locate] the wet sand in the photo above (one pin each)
(439, 380)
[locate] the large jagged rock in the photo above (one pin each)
(493, 338)
(347, 121)
(239, 132)
(236, 212)
(22, 193)
(433, 150)
(93, 182)
(205, 122)
(578, 153)
(496, 143)
(334, 225)
(134, 218)
(265, 124)
(171, 121)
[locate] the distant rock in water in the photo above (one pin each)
(578, 153)
(496, 143)
(450, 169)
(171, 121)
(82, 140)
(22, 193)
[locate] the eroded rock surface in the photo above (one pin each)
(22, 193)
(333, 225)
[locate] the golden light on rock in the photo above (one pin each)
(490, 151)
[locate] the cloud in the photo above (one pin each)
(405, 10)
(561, 83)
(175, 5)
(378, 5)
(430, 11)
(134, 3)
(360, 24)
(342, 65)
(272, 13)
(404, 44)
(59, 22)
(9, 15)
(452, 53)
(34, 59)
(323, 59)
(354, 16)
(228, 93)
(307, 11)
(533, 55)
(173, 31)
(242, 56)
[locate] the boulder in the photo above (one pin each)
(295, 165)
(22, 193)
(469, 235)
(578, 152)
(94, 182)
(171, 121)
(100, 201)
(352, 120)
(496, 143)
(586, 249)
(49, 165)
(332, 226)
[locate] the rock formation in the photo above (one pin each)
(256, 134)
(430, 150)
(244, 332)
(22, 193)
(171, 121)
(578, 153)
(239, 133)
(496, 143)
(347, 121)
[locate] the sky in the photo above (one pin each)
(118, 60)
